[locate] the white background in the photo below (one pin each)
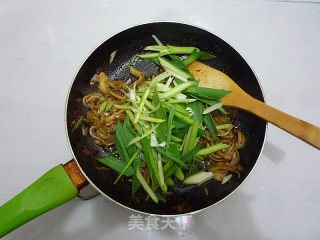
(43, 43)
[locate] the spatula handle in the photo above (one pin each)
(299, 128)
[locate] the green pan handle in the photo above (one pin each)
(49, 191)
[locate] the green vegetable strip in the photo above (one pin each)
(198, 177)
(193, 136)
(181, 50)
(150, 119)
(159, 78)
(207, 93)
(211, 126)
(102, 106)
(177, 75)
(167, 166)
(167, 64)
(170, 182)
(121, 141)
(112, 55)
(192, 153)
(136, 125)
(149, 105)
(153, 161)
(161, 114)
(116, 164)
(212, 149)
(138, 138)
(146, 186)
(166, 50)
(224, 126)
(135, 183)
(176, 139)
(170, 156)
(186, 140)
(197, 108)
(183, 118)
(206, 56)
(141, 104)
(193, 57)
(156, 48)
(157, 40)
(176, 90)
(127, 107)
(171, 171)
(109, 106)
(145, 143)
(126, 167)
(170, 120)
(150, 55)
(212, 108)
(178, 108)
(187, 100)
(162, 184)
(179, 174)
(222, 110)
(177, 62)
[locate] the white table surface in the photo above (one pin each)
(43, 43)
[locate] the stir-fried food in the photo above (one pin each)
(166, 129)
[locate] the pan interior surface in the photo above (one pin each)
(128, 43)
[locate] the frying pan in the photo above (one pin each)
(63, 182)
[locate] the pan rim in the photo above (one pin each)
(120, 204)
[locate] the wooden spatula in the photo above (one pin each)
(212, 78)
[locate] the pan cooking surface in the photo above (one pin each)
(129, 43)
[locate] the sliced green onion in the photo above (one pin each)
(187, 100)
(162, 184)
(213, 107)
(170, 181)
(224, 126)
(151, 119)
(157, 40)
(176, 90)
(212, 149)
(149, 105)
(179, 174)
(141, 104)
(112, 55)
(138, 138)
(109, 106)
(222, 110)
(126, 167)
(193, 57)
(156, 48)
(193, 135)
(186, 140)
(159, 78)
(176, 139)
(226, 179)
(170, 156)
(146, 186)
(167, 64)
(169, 127)
(116, 164)
(102, 106)
(211, 126)
(149, 55)
(198, 178)
(136, 125)
(177, 75)
(166, 50)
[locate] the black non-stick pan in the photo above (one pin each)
(63, 182)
